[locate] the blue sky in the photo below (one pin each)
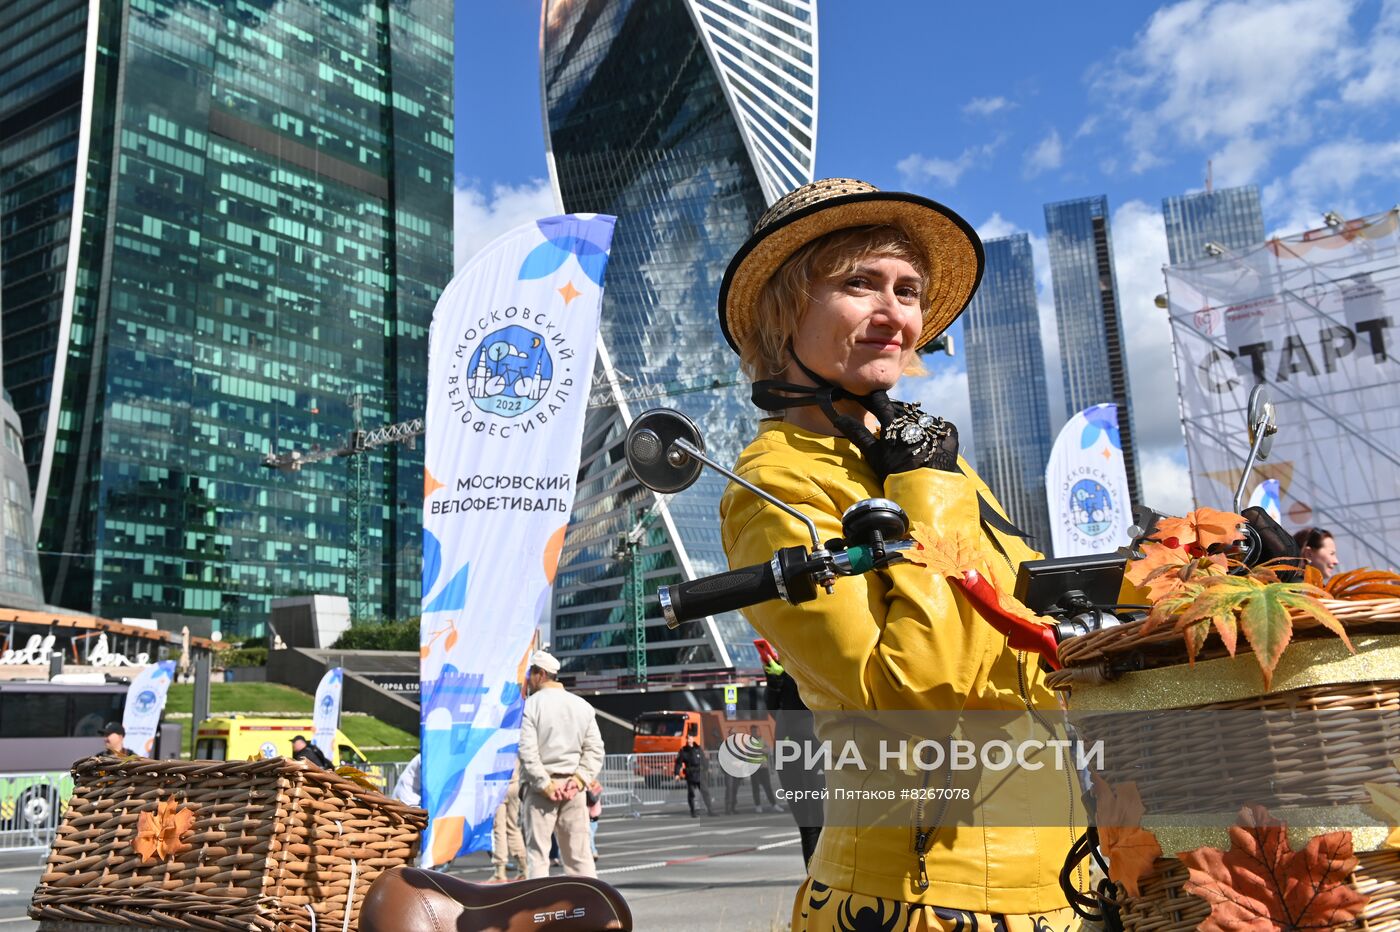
(996, 109)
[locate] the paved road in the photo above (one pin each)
(727, 873)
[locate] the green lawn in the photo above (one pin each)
(241, 697)
(367, 732)
(275, 698)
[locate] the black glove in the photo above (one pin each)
(909, 439)
(1270, 542)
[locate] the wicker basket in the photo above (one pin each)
(1165, 907)
(1329, 725)
(272, 842)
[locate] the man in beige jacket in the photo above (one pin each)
(561, 753)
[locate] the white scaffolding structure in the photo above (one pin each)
(1317, 318)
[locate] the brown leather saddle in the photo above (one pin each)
(407, 899)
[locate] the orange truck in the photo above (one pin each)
(665, 733)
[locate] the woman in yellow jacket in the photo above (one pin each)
(826, 304)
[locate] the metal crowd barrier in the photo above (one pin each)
(640, 783)
(386, 774)
(31, 807)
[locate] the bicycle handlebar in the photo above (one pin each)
(722, 592)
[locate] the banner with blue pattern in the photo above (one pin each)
(510, 363)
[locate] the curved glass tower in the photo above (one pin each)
(685, 119)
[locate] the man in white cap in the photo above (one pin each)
(561, 752)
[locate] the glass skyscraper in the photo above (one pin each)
(1092, 353)
(1006, 384)
(221, 220)
(685, 119)
(1228, 217)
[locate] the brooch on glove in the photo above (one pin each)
(912, 427)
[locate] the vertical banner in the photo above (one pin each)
(1266, 496)
(510, 363)
(1086, 485)
(325, 717)
(1314, 317)
(145, 701)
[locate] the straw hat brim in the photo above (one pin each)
(952, 254)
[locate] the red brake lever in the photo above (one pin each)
(1021, 634)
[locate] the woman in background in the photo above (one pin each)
(1317, 548)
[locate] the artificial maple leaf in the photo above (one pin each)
(960, 557)
(1262, 885)
(1155, 556)
(947, 554)
(1204, 527)
(1169, 577)
(1385, 804)
(1263, 611)
(178, 822)
(358, 777)
(1363, 584)
(147, 842)
(1130, 848)
(159, 833)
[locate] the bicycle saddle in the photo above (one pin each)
(407, 899)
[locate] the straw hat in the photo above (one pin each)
(952, 251)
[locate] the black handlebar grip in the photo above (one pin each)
(723, 592)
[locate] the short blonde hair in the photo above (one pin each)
(787, 294)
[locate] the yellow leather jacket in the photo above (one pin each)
(893, 640)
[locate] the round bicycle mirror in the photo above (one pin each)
(651, 457)
(1262, 419)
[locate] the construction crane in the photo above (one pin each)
(360, 441)
(628, 550)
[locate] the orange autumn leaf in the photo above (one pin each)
(1362, 584)
(358, 777)
(1262, 885)
(159, 834)
(1164, 572)
(1204, 527)
(1130, 848)
(1154, 557)
(947, 554)
(953, 554)
(1385, 804)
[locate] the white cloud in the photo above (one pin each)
(1240, 161)
(1139, 252)
(944, 392)
(996, 226)
(986, 106)
(479, 217)
(1046, 155)
(1215, 72)
(1166, 482)
(915, 168)
(1380, 81)
(1333, 169)
(1330, 177)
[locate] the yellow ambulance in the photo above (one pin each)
(240, 737)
